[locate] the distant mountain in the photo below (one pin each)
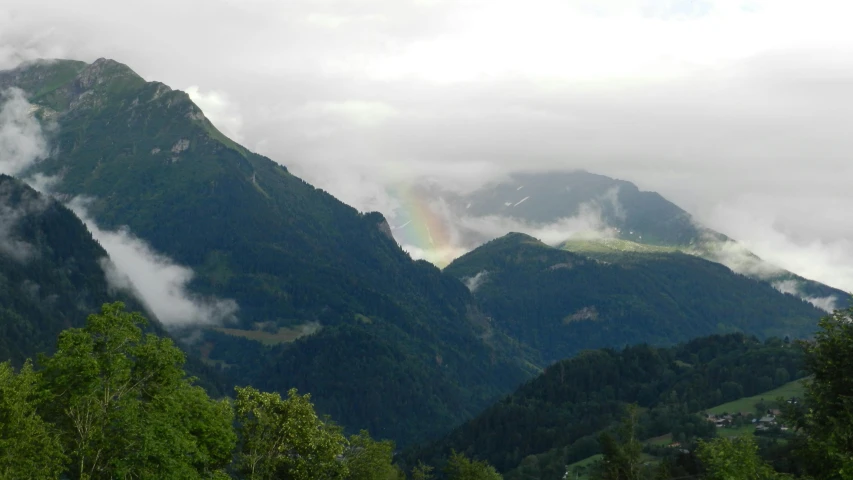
(50, 275)
(545, 198)
(397, 346)
(559, 302)
(555, 419)
(604, 209)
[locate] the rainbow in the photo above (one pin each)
(420, 229)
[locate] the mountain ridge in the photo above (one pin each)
(611, 209)
(288, 253)
(389, 336)
(560, 302)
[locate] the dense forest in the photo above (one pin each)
(115, 402)
(559, 415)
(559, 302)
(50, 276)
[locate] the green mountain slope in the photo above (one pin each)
(620, 251)
(559, 302)
(292, 256)
(50, 276)
(553, 420)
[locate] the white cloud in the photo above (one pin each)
(22, 144)
(587, 224)
(825, 261)
(22, 141)
(827, 304)
(610, 198)
(738, 258)
(792, 287)
(155, 279)
(42, 183)
(473, 283)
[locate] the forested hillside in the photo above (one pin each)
(114, 402)
(554, 420)
(292, 256)
(559, 302)
(50, 276)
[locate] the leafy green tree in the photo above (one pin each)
(29, 446)
(422, 471)
(827, 419)
(126, 409)
(284, 438)
(734, 459)
(460, 467)
(623, 454)
(368, 459)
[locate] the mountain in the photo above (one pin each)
(52, 277)
(560, 302)
(544, 198)
(395, 345)
(50, 271)
(555, 419)
(328, 302)
(614, 209)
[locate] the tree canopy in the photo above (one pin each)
(115, 402)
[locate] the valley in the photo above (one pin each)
(520, 358)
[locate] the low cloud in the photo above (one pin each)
(158, 282)
(586, 224)
(792, 287)
(22, 144)
(22, 140)
(611, 199)
(737, 257)
(42, 183)
(473, 283)
(828, 261)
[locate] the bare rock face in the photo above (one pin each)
(181, 145)
(102, 71)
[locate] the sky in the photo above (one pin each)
(737, 111)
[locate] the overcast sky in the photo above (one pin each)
(741, 112)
